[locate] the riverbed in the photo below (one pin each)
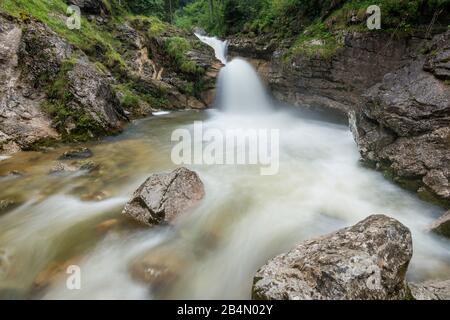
(244, 220)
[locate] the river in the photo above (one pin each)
(213, 252)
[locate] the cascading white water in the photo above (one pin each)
(239, 88)
(220, 47)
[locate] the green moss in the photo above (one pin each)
(316, 40)
(177, 48)
(57, 106)
(129, 100)
(152, 25)
(87, 38)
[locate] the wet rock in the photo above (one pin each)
(93, 97)
(442, 225)
(95, 196)
(63, 167)
(53, 273)
(157, 268)
(7, 205)
(199, 31)
(431, 290)
(161, 267)
(107, 225)
(366, 261)
(164, 196)
(81, 153)
(20, 67)
(438, 63)
(13, 174)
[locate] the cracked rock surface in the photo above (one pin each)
(164, 196)
(366, 261)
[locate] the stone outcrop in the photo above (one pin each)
(81, 153)
(91, 97)
(366, 261)
(403, 125)
(35, 57)
(22, 122)
(431, 290)
(442, 225)
(74, 166)
(50, 90)
(164, 196)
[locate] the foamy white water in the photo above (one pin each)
(220, 47)
(160, 113)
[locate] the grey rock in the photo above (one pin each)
(442, 225)
(164, 196)
(94, 97)
(199, 31)
(60, 168)
(81, 153)
(7, 205)
(366, 261)
(403, 127)
(32, 60)
(431, 290)
(20, 67)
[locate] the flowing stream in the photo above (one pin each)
(213, 252)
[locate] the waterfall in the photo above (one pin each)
(220, 47)
(239, 88)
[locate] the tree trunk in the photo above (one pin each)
(211, 10)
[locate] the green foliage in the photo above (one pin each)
(130, 100)
(195, 14)
(177, 48)
(147, 7)
(287, 18)
(316, 40)
(57, 106)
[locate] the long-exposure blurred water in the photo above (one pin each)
(244, 220)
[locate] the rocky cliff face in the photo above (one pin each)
(22, 122)
(52, 90)
(403, 124)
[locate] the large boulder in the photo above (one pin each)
(403, 126)
(366, 261)
(431, 290)
(164, 196)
